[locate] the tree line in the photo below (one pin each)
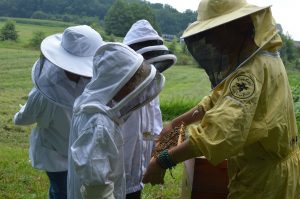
(115, 15)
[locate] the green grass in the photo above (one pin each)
(17, 178)
(185, 82)
(171, 188)
(184, 88)
(26, 28)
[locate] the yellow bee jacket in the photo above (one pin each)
(250, 121)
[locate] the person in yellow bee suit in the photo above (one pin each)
(248, 118)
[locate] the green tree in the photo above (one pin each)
(142, 11)
(39, 15)
(173, 45)
(37, 38)
(118, 19)
(8, 31)
(288, 51)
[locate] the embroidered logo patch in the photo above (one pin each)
(242, 87)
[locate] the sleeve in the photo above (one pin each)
(206, 103)
(209, 101)
(30, 112)
(94, 154)
(225, 126)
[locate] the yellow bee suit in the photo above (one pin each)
(250, 121)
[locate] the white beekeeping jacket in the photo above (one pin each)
(96, 160)
(49, 139)
(145, 121)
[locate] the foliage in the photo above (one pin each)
(118, 20)
(39, 15)
(173, 45)
(289, 52)
(26, 30)
(295, 86)
(36, 39)
(180, 50)
(164, 19)
(170, 20)
(122, 15)
(8, 31)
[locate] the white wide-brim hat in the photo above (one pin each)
(73, 50)
(213, 13)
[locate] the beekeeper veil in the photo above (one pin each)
(219, 39)
(66, 54)
(119, 71)
(53, 83)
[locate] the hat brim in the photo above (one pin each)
(169, 60)
(201, 26)
(55, 53)
(151, 48)
(145, 38)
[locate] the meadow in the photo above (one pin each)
(185, 86)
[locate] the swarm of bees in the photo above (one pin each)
(170, 139)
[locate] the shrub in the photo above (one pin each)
(8, 31)
(39, 15)
(37, 38)
(296, 98)
(183, 59)
(173, 45)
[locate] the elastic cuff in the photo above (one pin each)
(164, 160)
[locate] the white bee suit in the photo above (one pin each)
(48, 150)
(138, 149)
(147, 121)
(96, 168)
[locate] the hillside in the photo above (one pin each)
(169, 20)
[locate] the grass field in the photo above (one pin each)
(185, 86)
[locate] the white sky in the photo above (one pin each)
(285, 12)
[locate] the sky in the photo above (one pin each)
(285, 12)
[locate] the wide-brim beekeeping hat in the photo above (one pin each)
(213, 13)
(73, 50)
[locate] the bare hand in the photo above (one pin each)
(154, 173)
